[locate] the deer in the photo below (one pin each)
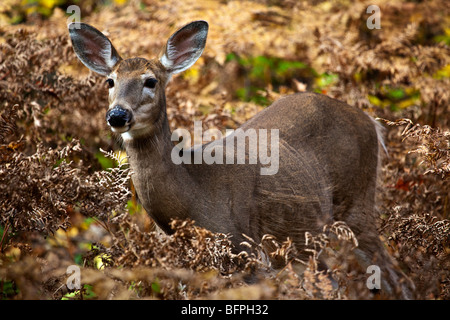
(328, 156)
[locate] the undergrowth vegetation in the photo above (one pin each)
(66, 201)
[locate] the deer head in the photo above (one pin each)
(136, 86)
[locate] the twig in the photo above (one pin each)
(4, 236)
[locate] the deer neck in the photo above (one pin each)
(161, 186)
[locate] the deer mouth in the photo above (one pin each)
(121, 129)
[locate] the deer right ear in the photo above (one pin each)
(184, 47)
(93, 48)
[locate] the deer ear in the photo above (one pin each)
(184, 47)
(93, 48)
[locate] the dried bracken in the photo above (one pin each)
(433, 145)
(40, 190)
(54, 143)
(416, 203)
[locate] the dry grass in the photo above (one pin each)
(52, 129)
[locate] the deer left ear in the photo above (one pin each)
(184, 47)
(93, 48)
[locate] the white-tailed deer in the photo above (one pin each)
(328, 155)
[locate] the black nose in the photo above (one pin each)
(118, 117)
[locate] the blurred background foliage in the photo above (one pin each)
(21, 11)
(61, 207)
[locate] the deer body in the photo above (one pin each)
(307, 192)
(328, 154)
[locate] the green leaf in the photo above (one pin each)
(326, 79)
(8, 289)
(156, 288)
(105, 162)
(396, 94)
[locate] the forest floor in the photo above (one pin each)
(65, 195)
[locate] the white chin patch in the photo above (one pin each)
(120, 130)
(126, 136)
(136, 132)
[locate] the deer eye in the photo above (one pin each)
(150, 83)
(110, 82)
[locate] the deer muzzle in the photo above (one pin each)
(119, 119)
